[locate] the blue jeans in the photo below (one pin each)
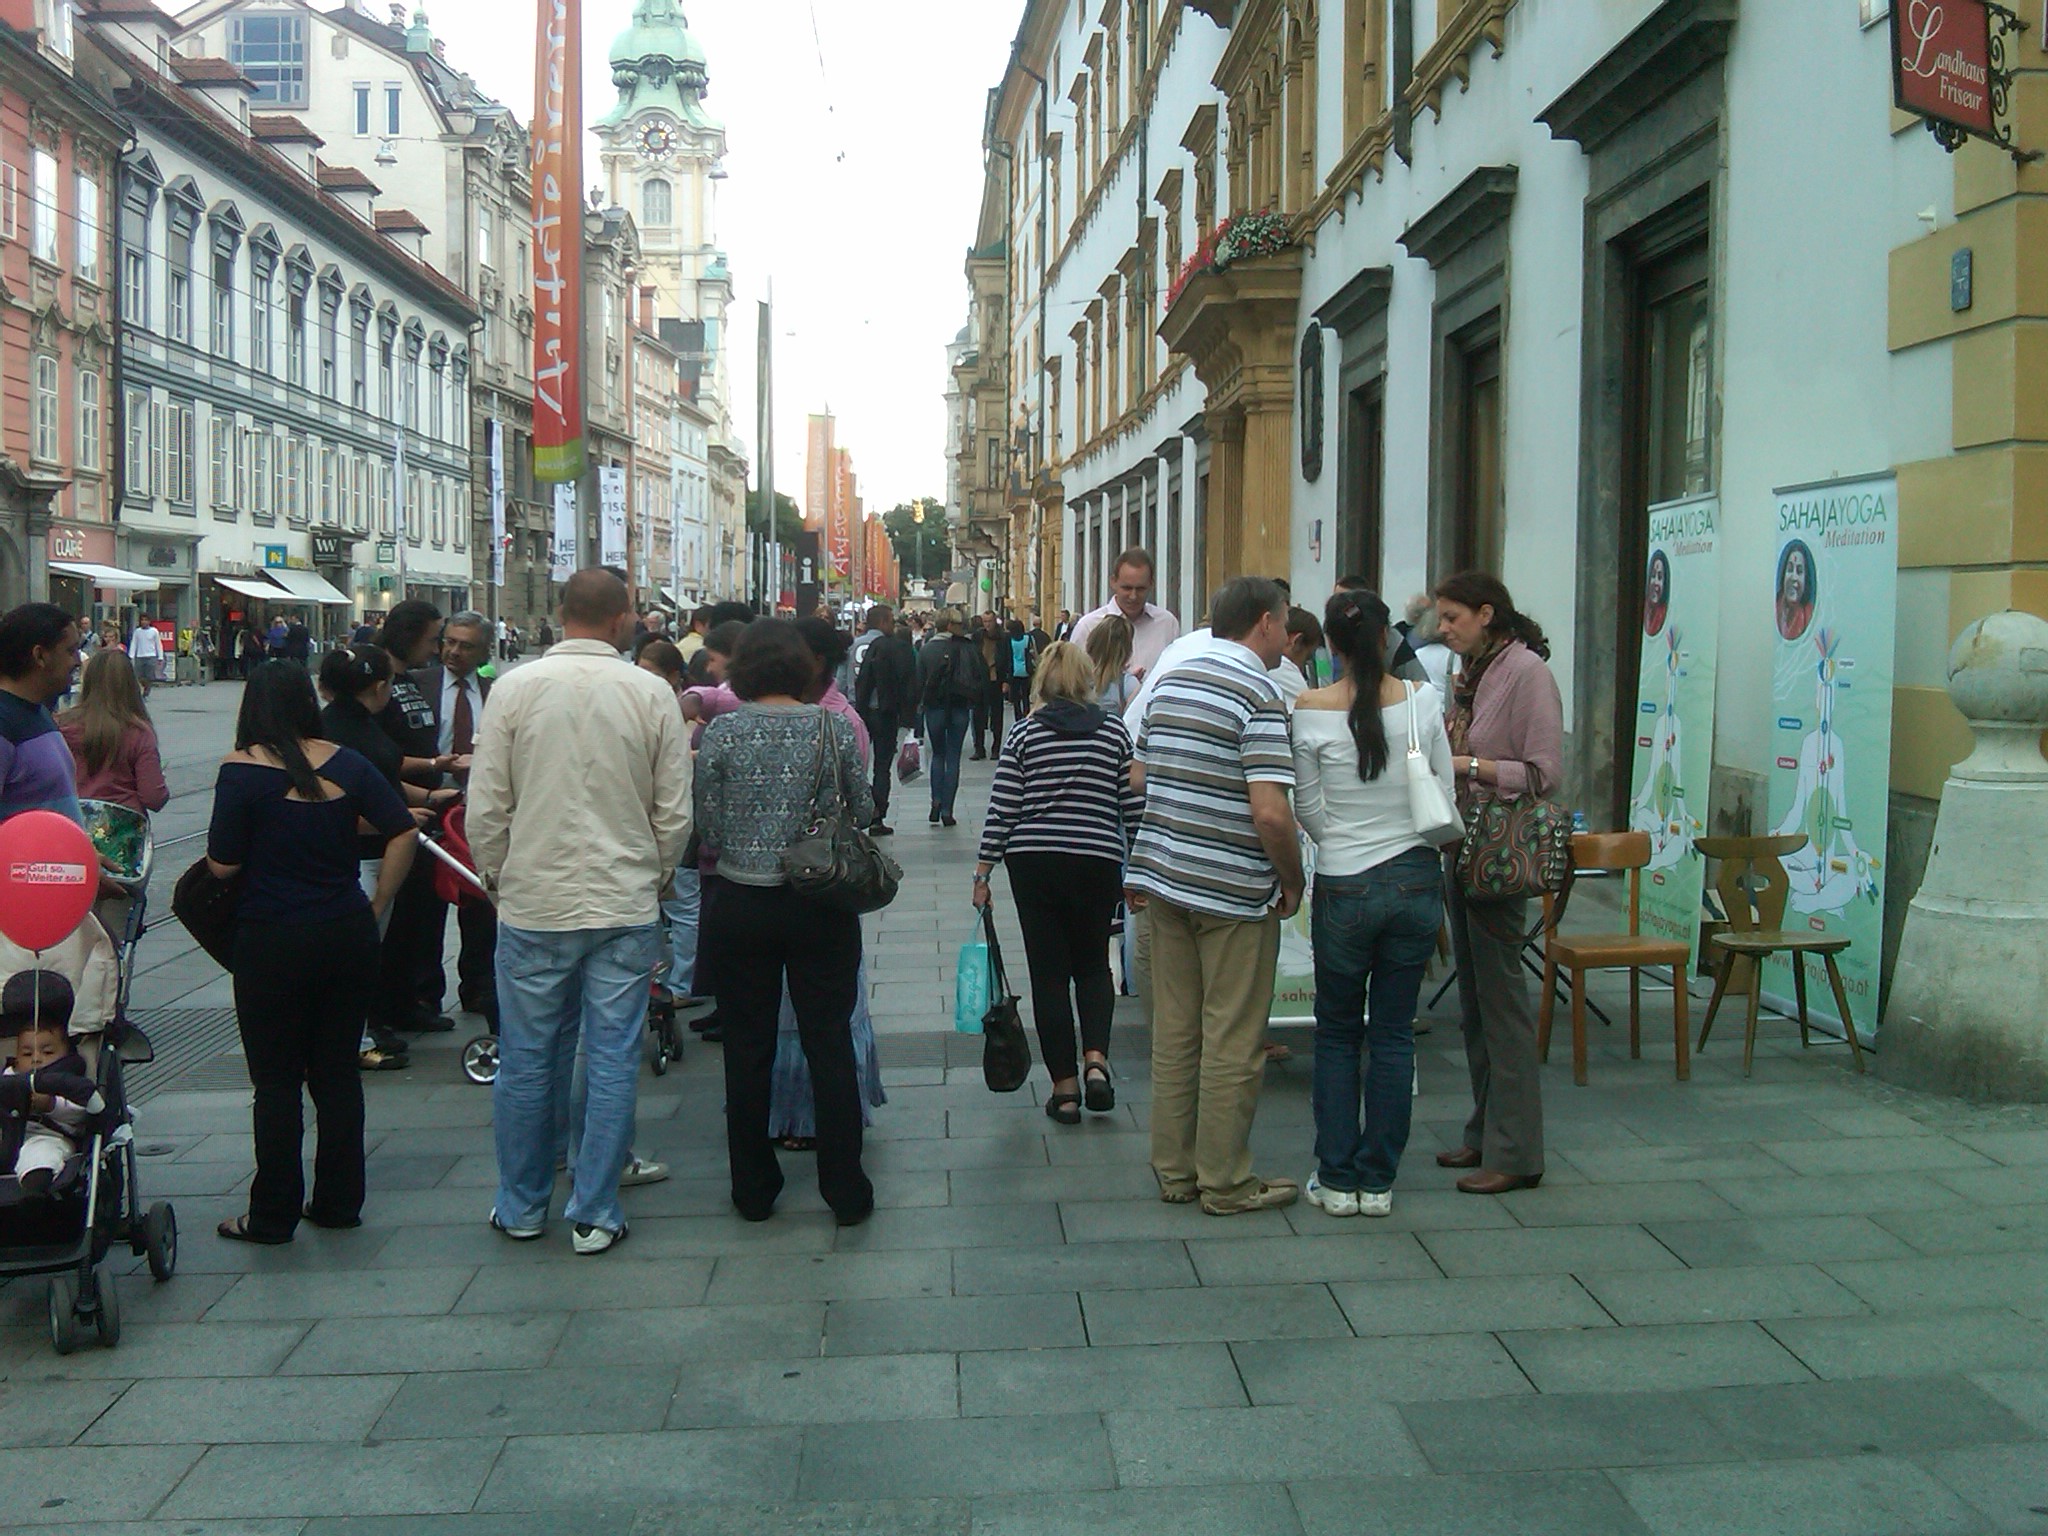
(554, 988)
(1373, 935)
(949, 725)
(683, 909)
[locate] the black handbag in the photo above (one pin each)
(834, 861)
(206, 905)
(1005, 1049)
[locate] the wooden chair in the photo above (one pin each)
(1579, 953)
(1756, 931)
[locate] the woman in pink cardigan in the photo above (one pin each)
(1506, 722)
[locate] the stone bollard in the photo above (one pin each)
(1968, 1012)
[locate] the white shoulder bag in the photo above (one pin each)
(1435, 814)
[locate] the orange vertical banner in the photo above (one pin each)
(558, 241)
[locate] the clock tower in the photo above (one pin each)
(662, 155)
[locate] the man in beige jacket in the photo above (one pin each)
(579, 808)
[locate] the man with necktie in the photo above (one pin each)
(456, 693)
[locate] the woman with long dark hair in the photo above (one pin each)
(112, 738)
(1378, 902)
(286, 808)
(1506, 725)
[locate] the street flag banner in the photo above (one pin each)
(1674, 734)
(611, 506)
(497, 431)
(402, 512)
(557, 151)
(565, 530)
(1834, 582)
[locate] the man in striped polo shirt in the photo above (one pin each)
(1217, 865)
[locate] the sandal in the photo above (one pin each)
(236, 1229)
(1065, 1108)
(380, 1060)
(1101, 1092)
(798, 1143)
(331, 1223)
(1179, 1194)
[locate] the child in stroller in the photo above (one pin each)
(48, 1101)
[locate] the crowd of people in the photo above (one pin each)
(1158, 782)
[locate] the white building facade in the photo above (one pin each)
(293, 380)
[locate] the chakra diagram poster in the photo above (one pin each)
(1834, 609)
(1674, 755)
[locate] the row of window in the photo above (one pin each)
(46, 413)
(250, 468)
(46, 213)
(404, 393)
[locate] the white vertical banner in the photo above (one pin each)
(399, 509)
(565, 530)
(611, 505)
(497, 432)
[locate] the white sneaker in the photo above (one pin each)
(517, 1234)
(642, 1170)
(590, 1239)
(1370, 1204)
(1336, 1202)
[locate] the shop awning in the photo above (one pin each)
(669, 596)
(308, 586)
(249, 586)
(111, 577)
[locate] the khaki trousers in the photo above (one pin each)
(1212, 991)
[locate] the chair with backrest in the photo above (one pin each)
(1578, 953)
(1753, 886)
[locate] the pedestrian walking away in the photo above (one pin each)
(1378, 902)
(1506, 727)
(579, 809)
(885, 693)
(1217, 866)
(951, 669)
(767, 770)
(1061, 814)
(286, 809)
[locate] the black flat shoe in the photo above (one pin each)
(1099, 1090)
(856, 1216)
(236, 1229)
(1065, 1108)
(948, 821)
(933, 818)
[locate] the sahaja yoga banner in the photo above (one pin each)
(1674, 746)
(1835, 611)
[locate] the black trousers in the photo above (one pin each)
(476, 978)
(1020, 699)
(1066, 903)
(988, 717)
(882, 726)
(301, 993)
(760, 934)
(410, 978)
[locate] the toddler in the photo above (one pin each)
(48, 1100)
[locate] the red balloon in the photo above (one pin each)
(49, 877)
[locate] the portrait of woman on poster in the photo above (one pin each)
(1657, 593)
(1796, 590)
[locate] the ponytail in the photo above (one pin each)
(1355, 622)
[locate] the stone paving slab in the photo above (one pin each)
(1803, 1301)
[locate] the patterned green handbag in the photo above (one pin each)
(1515, 848)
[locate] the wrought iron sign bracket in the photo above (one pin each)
(2006, 25)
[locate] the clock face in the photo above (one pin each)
(657, 140)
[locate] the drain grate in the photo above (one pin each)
(196, 1048)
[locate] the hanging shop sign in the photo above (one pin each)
(276, 557)
(564, 552)
(1674, 734)
(329, 548)
(1834, 583)
(611, 506)
(1950, 68)
(557, 149)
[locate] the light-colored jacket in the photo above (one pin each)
(579, 795)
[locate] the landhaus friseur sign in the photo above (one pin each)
(1949, 68)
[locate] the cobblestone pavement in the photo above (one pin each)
(1802, 1304)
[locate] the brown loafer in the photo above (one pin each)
(1486, 1183)
(1458, 1157)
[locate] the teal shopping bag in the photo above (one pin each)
(971, 984)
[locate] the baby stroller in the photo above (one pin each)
(95, 1201)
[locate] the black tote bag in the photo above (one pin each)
(1005, 1049)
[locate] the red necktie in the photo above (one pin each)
(462, 738)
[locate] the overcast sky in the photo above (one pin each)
(855, 184)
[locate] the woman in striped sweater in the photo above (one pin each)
(1062, 813)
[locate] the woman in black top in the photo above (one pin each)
(357, 681)
(286, 808)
